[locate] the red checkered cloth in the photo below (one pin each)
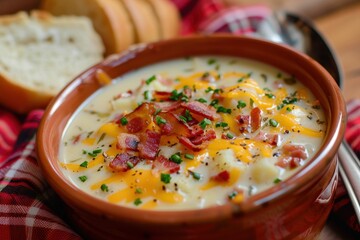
(29, 209)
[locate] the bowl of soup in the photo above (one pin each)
(196, 138)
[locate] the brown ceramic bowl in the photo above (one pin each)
(297, 208)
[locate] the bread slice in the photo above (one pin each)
(146, 25)
(40, 54)
(168, 17)
(110, 19)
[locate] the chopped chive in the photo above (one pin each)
(83, 178)
(221, 124)
(241, 104)
(146, 95)
(165, 178)
(150, 79)
(279, 75)
(204, 123)
(157, 111)
(130, 164)
(270, 95)
(288, 109)
(176, 158)
(195, 175)
(189, 156)
(277, 180)
(123, 121)
(137, 202)
(138, 190)
(84, 164)
(202, 100)
(223, 110)
(97, 151)
(104, 187)
(84, 151)
(211, 61)
(264, 76)
(209, 89)
(248, 75)
(188, 115)
(273, 123)
(214, 102)
(182, 118)
(230, 135)
(232, 195)
(160, 120)
(101, 137)
(205, 75)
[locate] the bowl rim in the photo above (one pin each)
(76, 198)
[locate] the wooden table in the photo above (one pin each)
(342, 30)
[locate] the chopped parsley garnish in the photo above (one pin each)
(221, 124)
(244, 77)
(146, 95)
(150, 79)
(175, 95)
(270, 95)
(137, 202)
(273, 123)
(209, 89)
(165, 178)
(123, 121)
(202, 100)
(195, 175)
(277, 180)
(160, 120)
(204, 123)
(130, 164)
(232, 195)
(241, 104)
(287, 101)
(189, 156)
(84, 164)
(222, 109)
(104, 187)
(83, 178)
(211, 61)
(176, 158)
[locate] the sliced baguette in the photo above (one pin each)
(40, 54)
(110, 19)
(146, 25)
(168, 17)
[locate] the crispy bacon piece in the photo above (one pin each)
(167, 106)
(271, 138)
(163, 164)
(162, 95)
(201, 109)
(149, 144)
(173, 125)
(255, 119)
(198, 143)
(140, 118)
(123, 162)
(128, 141)
(244, 123)
(293, 156)
(223, 176)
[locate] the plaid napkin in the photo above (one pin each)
(29, 209)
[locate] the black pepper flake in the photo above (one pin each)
(163, 188)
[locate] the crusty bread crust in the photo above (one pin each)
(109, 18)
(146, 25)
(168, 18)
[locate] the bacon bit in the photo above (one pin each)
(167, 106)
(163, 164)
(188, 144)
(124, 162)
(128, 141)
(223, 176)
(293, 156)
(140, 118)
(199, 139)
(76, 139)
(173, 125)
(196, 130)
(162, 96)
(244, 123)
(201, 109)
(270, 138)
(126, 94)
(255, 116)
(149, 144)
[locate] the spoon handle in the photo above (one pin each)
(350, 172)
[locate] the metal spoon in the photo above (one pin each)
(290, 29)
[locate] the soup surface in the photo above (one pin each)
(191, 133)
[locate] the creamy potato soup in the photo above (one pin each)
(192, 133)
